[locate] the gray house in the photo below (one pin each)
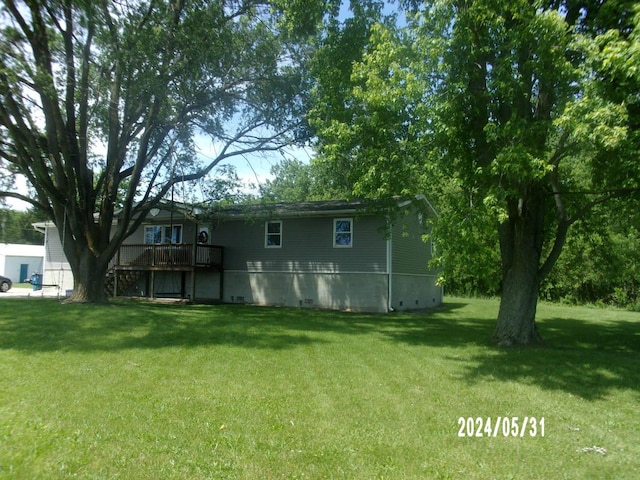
(330, 254)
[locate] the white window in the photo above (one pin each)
(153, 234)
(343, 232)
(273, 234)
(156, 234)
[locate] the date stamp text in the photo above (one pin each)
(478, 427)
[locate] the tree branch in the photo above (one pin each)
(31, 201)
(259, 146)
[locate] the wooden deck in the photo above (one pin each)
(134, 262)
(178, 257)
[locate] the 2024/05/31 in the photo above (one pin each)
(478, 427)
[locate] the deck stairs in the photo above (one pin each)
(125, 278)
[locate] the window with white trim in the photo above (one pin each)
(159, 234)
(273, 234)
(342, 232)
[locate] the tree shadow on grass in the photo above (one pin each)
(46, 325)
(137, 325)
(445, 326)
(586, 359)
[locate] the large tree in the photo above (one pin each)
(100, 102)
(523, 113)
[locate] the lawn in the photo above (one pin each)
(156, 391)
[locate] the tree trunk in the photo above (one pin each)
(89, 274)
(521, 238)
(516, 317)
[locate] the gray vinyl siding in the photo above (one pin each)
(137, 237)
(307, 246)
(410, 253)
(57, 270)
(54, 257)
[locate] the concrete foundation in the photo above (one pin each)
(345, 291)
(414, 292)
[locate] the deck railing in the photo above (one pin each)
(174, 255)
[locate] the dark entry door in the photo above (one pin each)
(24, 272)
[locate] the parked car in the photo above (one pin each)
(5, 284)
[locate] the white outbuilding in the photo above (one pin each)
(18, 262)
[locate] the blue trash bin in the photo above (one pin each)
(36, 281)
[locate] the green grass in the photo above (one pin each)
(150, 391)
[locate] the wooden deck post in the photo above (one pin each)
(194, 260)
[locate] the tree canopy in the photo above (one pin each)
(101, 104)
(518, 118)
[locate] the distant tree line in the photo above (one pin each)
(16, 226)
